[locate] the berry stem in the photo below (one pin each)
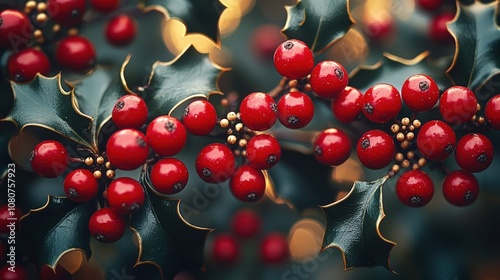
(282, 86)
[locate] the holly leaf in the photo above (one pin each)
(319, 23)
(353, 226)
(395, 70)
(166, 240)
(44, 103)
(198, 16)
(190, 75)
(57, 228)
(477, 39)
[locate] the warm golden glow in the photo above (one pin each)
(305, 239)
(73, 261)
(91, 270)
(351, 50)
(348, 172)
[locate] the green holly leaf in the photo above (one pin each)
(190, 75)
(96, 96)
(57, 228)
(165, 238)
(44, 103)
(395, 70)
(353, 226)
(200, 17)
(319, 23)
(477, 37)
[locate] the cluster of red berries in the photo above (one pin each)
(246, 224)
(23, 33)
(442, 13)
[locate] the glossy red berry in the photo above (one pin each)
(458, 105)
(49, 159)
(460, 188)
(105, 6)
(415, 188)
(130, 111)
(247, 184)
(80, 185)
(127, 149)
(375, 149)
(258, 111)
(436, 140)
(438, 31)
(6, 214)
(166, 135)
(19, 273)
(381, 103)
(274, 248)
(106, 225)
(215, 163)
(328, 79)
(263, 151)
(420, 93)
(121, 30)
(295, 110)
(474, 152)
(225, 249)
(348, 105)
(25, 64)
(200, 117)
(332, 147)
(492, 112)
(15, 29)
(66, 12)
(125, 195)
(246, 223)
(76, 53)
(429, 5)
(169, 176)
(293, 59)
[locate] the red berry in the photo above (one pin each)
(438, 31)
(105, 6)
(381, 103)
(19, 273)
(246, 223)
(420, 93)
(328, 79)
(247, 184)
(200, 117)
(225, 249)
(492, 112)
(127, 149)
(6, 216)
(347, 106)
(49, 159)
(274, 248)
(166, 135)
(457, 105)
(414, 188)
(436, 140)
(460, 188)
(215, 163)
(375, 149)
(295, 110)
(430, 5)
(379, 28)
(263, 151)
(25, 64)
(15, 29)
(121, 30)
(106, 225)
(76, 53)
(125, 195)
(80, 185)
(332, 147)
(169, 176)
(293, 59)
(66, 12)
(258, 111)
(130, 111)
(265, 39)
(474, 152)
